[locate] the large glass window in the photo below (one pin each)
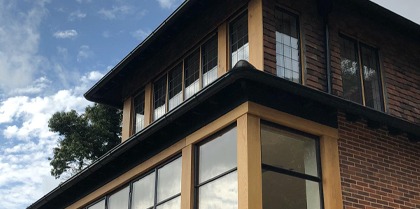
(217, 179)
(360, 74)
(159, 189)
(192, 74)
(287, 46)
(238, 36)
(209, 61)
(290, 169)
(120, 199)
(159, 98)
(138, 112)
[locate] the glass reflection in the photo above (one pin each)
(169, 180)
(172, 204)
(371, 78)
(350, 72)
(289, 151)
(283, 191)
(217, 156)
(239, 40)
(220, 194)
(119, 200)
(143, 192)
(98, 205)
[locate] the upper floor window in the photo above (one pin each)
(120, 199)
(184, 80)
(287, 46)
(98, 205)
(238, 37)
(360, 74)
(290, 169)
(217, 180)
(138, 104)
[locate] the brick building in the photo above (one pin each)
(324, 112)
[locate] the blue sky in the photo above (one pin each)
(51, 52)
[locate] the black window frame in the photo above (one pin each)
(360, 75)
(141, 94)
(279, 9)
(296, 174)
(243, 14)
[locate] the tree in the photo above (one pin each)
(83, 138)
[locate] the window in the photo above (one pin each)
(98, 205)
(217, 179)
(287, 46)
(360, 74)
(238, 37)
(120, 199)
(194, 72)
(160, 189)
(138, 112)
(290, 169)
(209, 61)
(159, 98)
(175, 86)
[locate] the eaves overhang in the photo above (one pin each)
(241, 84)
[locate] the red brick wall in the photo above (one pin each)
(398, 53)
(399, 57)
(377, 170)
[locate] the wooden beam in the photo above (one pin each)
(255, 34)
(249, 163)
(127, 120)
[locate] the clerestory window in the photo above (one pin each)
(138, 119)
(360, 74)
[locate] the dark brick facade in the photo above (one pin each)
(378, 170)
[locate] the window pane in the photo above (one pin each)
(220, 194)
(169, 180)
(172, 204)
(287, 46)
(209, 60)
(175, 86)
(159, 98)
(239, 39)
(192, 74)
(119, 200)
(371, 78)
(211, 161)
(143, 192)
(139, 112)
(283, 191)
(98, 205)
(286, 150)
(350, 72)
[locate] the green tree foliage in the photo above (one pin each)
(83, 138)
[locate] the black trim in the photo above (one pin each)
(290, 172)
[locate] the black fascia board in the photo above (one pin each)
(244, 83)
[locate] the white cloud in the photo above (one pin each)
(116, 11)
(26, 142)
(65, 34)
(84, 53)
(36, 87)
(140, 34)
(19, 42)
(83, 1)
(169, 4)
(77, 15)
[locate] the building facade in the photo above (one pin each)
(301, 104)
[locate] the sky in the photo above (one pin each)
(51, 53)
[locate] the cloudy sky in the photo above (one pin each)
(51, 52)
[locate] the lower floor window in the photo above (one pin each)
(217, 179)
(290, 169)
